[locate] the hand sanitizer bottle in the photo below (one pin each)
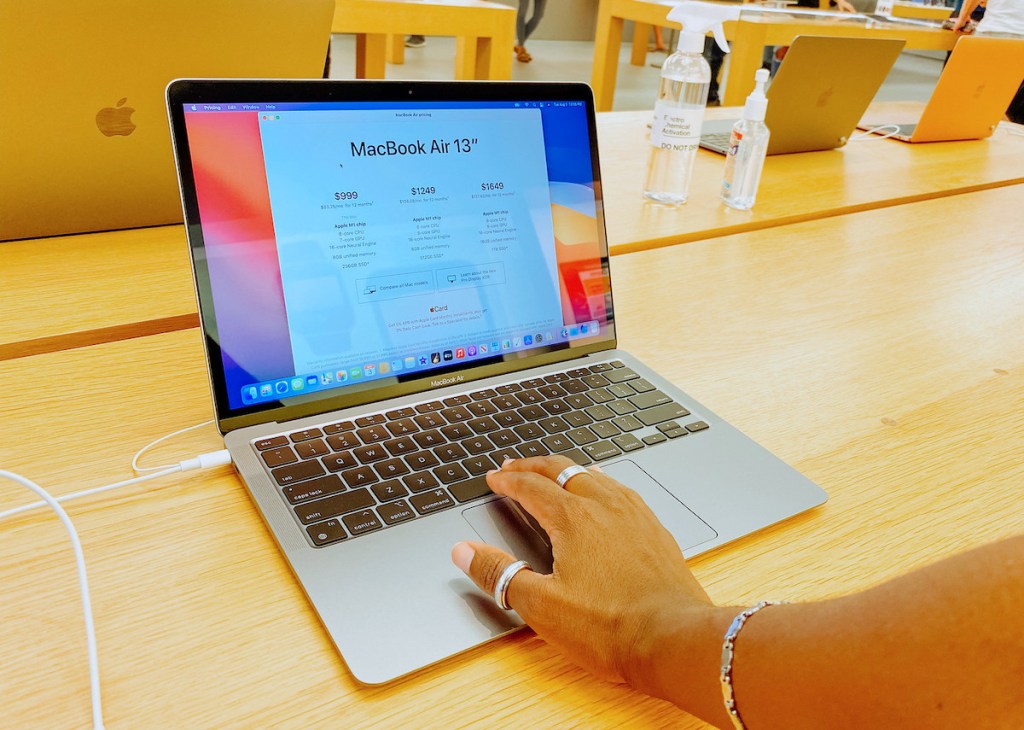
(748, 146)
(682, 96)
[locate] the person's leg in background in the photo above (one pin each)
(525, 28)
(715, 57)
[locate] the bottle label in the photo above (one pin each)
(676, 129)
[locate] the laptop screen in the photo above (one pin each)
(345, 246)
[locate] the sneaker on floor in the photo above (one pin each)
(415, 41)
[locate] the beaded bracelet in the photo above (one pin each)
(727, 658)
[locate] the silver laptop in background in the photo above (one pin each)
(400, 284)
(818, 95)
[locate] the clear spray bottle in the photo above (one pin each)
(682, 97)
(748, 146)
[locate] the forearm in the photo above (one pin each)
(965, 11)
(941, 646)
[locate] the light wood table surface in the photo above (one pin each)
(920, 11)
(484, 33)
(879, 353)
(103, 287)
(747, 37)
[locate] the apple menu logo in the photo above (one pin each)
(116, 121)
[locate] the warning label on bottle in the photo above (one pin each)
(674, 128)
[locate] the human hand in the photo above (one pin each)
(617, 571)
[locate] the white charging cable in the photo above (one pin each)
(138, 454)
(83, 584)
(871, 133)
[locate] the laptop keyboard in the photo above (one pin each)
(349, 478)
(716, 140)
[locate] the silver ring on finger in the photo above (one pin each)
(501, 587)
(568, 473)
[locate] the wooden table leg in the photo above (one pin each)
(396, 49)
(607, 43)
(641, 37)
(466, 52)
(494, 54)
(744, 59)
(370, 55)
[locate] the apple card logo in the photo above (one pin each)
(116, 121)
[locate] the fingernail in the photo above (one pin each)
(462, 556)
(508, 460)
(490, 471)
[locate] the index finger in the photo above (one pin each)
(539, 496)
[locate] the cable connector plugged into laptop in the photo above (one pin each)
(206, 461)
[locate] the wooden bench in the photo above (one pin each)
(484, 33)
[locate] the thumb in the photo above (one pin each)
(484, 564)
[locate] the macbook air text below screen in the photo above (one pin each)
(350, 244)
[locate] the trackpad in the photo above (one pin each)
(687, 528)
(504, 524)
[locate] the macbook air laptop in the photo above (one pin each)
(83, 128)
(819, 93)
(400, 284)
(972, 94)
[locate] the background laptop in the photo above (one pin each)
(820, 91)
(399, 284)
(972, 94)
(83, 127)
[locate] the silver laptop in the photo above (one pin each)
(820, 92)
(400, 284)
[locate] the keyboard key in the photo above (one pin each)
(343, 442)
(279, 457)
(507, 389)
(337, 462)
(450, 452)
(450, 473)
(477, 445)
(340, 427)
(578, 402)
(501, 455)
(306, 434)
(575, 386)
(506, 402)
(422, 460)
(391, 489)
(375, 420)
(655, 438)
(553, 424)
(628, 442)
(641, 386)
(482, 408)
(477, 465)
(552, 391)
(532, 448)
(507, 419)
(432, 501)
(696, 426)
(668, 426)
(319, 487)
(299, 472)
(402, 427)
(457, 431)
(620, 390)
(649, 399)
(559, 442)
(365, 521)
(662, 413)
(578, 456)
(627, 423)
(532, 413)
(334, 506)
(529, 431)
(458, 414)
(505, 438)
(311, 449)
(532, 382)
(470, 489)
(400, 413)
(600, 395)
(428, 439)
(599, 412)
(434, 405)
(401, 447)
(457, 400)
(576, 419)
(618, 364)
(556, 377)
(391, 468)
(483, 425)
(601, 367)
(595, 381)
(581, 436)
(601, 451)
(529, 397)
(483, 394)
(578, 373)
(555, 406)
(674, 433)
(396, 512)
(605, 429)
(326, 532)
(371, 453)
(420, 482)
(359, 477)
(622, 407)
(270, 443)
(429, 420)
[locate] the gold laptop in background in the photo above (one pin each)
(84, 138)
(971, 97)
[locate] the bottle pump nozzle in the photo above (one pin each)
(757, 102)
(697, 19)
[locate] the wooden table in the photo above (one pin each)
(484, 32)
(919, 11)
(878, 352)
(748, 36)
(103, 287)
